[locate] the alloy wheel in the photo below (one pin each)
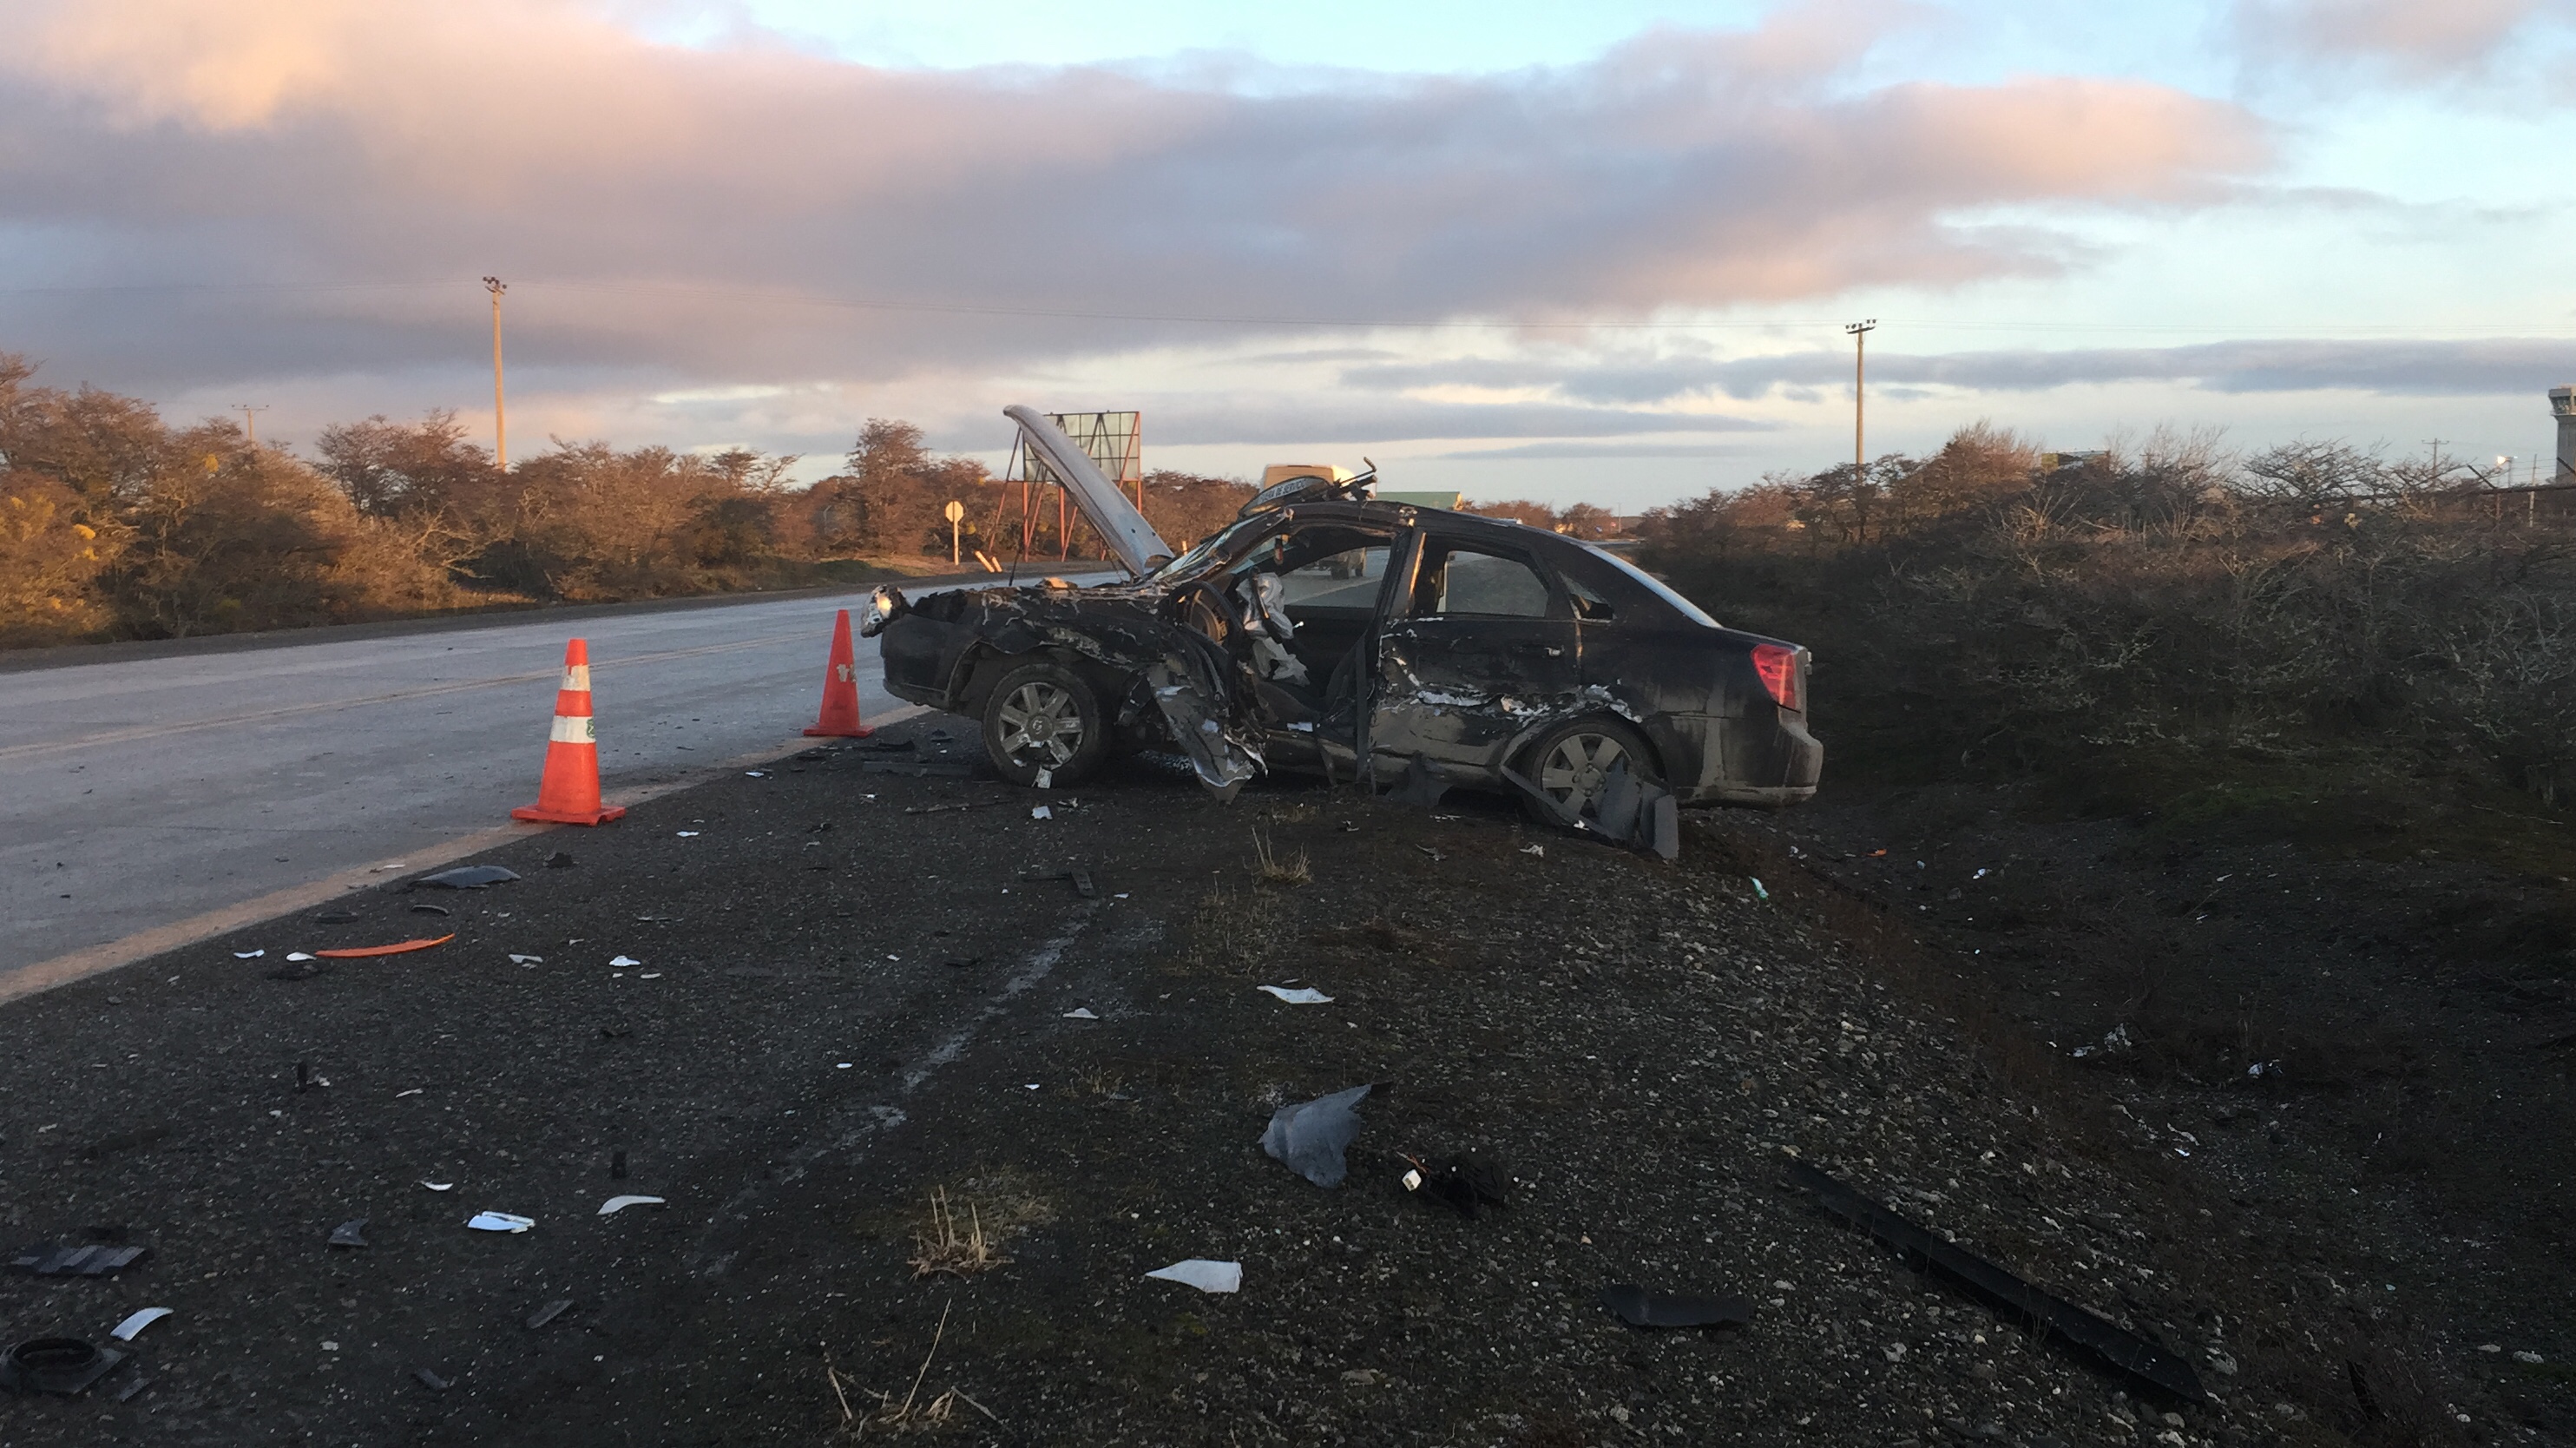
(1041, 724)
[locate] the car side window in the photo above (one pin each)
(1461, 579)
(1326, 565)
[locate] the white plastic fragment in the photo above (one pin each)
(440, 1186)
(415, 1091)
(1538, 850)
(500, 1222)
(1080, 1013)
(755, 774)
(125, 1331)
(297, 955)
(650, 975)
(625, 960)
(618, 1204)
(843, 1065)
(527, 960)
(1304, 995)
(250, 954)
(1203, 1274)
(688, 834)
(1046, 779)
(1042, 812)
(1758, 892)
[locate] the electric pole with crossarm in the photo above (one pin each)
(1859, 332)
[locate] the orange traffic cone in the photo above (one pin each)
(569, 794)
(840, 689)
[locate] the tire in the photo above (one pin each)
(1569, 762)
(1043, 716)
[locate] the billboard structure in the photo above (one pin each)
(1114, 441)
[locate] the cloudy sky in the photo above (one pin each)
(1598, 251)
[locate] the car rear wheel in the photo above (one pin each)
(1572, 763)
(1042, 718)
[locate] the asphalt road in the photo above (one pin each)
(140, 793)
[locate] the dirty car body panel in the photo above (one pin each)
(1348, 634)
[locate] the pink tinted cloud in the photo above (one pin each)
(728, 191)
(2417, 38)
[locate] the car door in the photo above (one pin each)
(1477, 638)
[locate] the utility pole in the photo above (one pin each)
(250, 423)
(1859, 333)
(500, 420)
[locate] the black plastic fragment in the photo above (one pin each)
(549, 1313)
(2003, 1290)
(431, 1380)
(133, 1386)
(559, 860)
(303, 1076)
(466, 877)
(1549, 806)
(1465, 1182)
(1637, 1307)
(617, 1166)
(351, 1233)
(47, 1260)
(65, 1366)
(431, 910)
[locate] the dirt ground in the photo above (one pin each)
(847, 996)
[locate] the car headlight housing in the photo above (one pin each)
(884, 606)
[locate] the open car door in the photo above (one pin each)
(1132, 540)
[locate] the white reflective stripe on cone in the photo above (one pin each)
(570, 729)
(577, 676)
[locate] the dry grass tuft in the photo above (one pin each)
(944, 1251)
(1275, 869)
(892, 1417)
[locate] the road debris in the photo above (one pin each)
(1304, 995)
(431, 910)
(466, 877)
(1042, 812)
(549, 1313)
(500, 1222)
(527, 960)
(1203, 1274)
(399, 947)
(440, 1186)
(559, 860)
(2002, 1289)
(47, 1260)
(623, 961)
(1637, 1307)
(62, 1366)
(1465, 1182)
(250, 954)
(1080, 1013)
(431, 1380)
(615, 1205)
(125, 1331)
(1081, 880)
(1311, 1136)
(351, 1233)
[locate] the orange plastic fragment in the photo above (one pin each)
(399, 947)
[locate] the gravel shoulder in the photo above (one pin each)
(848, 997)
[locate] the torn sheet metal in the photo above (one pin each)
(2002, 1289)
(615, 1205)
(1637, 1307)
(500, 1222)
(467, 877)
(1223, 759)
(1311, 1136)
(351, 1233)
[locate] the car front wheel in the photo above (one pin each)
(1572, 763)
(1043, 719)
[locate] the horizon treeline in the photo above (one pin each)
(2150, 618)
(116, 525)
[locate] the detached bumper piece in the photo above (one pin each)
(2003, 1290)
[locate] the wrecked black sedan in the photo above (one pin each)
(1328, 631)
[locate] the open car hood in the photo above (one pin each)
(1132, 540)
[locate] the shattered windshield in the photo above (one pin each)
(1215, 545)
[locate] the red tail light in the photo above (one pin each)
(1778, 667)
